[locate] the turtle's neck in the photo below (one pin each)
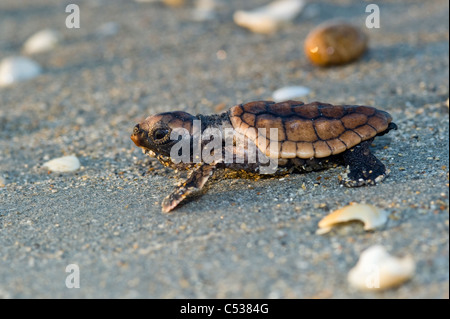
(214, 120)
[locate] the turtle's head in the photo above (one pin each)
(153, 134)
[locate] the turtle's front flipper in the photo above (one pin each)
(197, 178)
(365, 168)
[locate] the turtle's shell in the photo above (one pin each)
(307, 130)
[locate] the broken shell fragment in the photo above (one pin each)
(2, 182)
(267, 19)
(63, 164)
(377, 270)
(371, 216)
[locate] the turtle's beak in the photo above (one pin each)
(135, 139)
(139, 136)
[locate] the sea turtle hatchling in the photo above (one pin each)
(308, 137)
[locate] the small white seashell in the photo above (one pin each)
(41, 41)
(63, 164)
(16, 68)
(377, 270)
(371, 216)
(267, 19)
(290, 92)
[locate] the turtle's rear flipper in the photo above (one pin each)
(197, 178)
(365, 168)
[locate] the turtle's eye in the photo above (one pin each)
(161, 135)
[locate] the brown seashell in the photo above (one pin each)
(334, 43)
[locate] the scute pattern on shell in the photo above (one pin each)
(308, 130)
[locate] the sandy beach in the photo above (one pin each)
(240, 238)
